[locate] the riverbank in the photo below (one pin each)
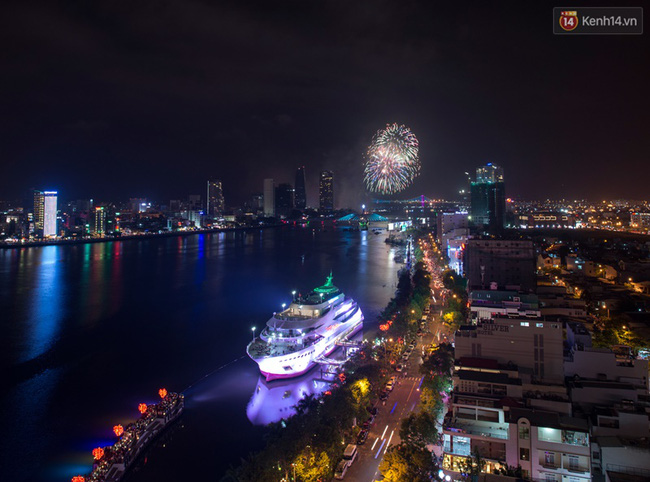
(107, 239)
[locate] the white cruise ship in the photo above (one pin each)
(309, 328)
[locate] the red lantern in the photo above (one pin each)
(142, 408)
(78, 478)
(98, 453)
(119, 430)
(162, 392)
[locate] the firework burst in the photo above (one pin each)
(392, 160)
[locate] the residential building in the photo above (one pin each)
(500, 264)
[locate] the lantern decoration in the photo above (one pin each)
(162, 392)
(384, 327)
(342, 377)
(78, 478)
(119, 430)
(98, 453)
(328, 392)
(142, 408)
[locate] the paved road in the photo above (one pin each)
(401, 401)
(385, 430)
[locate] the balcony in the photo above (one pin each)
(481, 429)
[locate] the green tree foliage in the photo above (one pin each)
(419, 429)
(407, 463)
(616, 331)
(311, 467)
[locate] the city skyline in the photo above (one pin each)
(216, 112)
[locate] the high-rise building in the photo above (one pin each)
(500, 264)
(300, 192)
(39, 213)
(100, 220)
(257, 201)
(50, 212)
(488, 199)
(269, 197)
(326, 190)
(215, 202)
(284, 199)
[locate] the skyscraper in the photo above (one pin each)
(100, 220)
(488, 199)
(39, 212)
(269, 197)
(49, 213)
(326, 190)
(300, 192)
(284, 199)
(215, 202)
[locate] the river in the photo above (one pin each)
(91, 330)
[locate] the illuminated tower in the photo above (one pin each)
(269, 197)
(488, 199)
(326, 190)
(100, 220)
(49, 213)
(300, 192)
(215, 201)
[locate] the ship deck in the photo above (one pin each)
(261, 349)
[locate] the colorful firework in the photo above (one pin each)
(392, 160)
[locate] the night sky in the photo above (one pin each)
(119, 99)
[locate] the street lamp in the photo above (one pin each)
(283, 305)
(253, 329)
(293, 294)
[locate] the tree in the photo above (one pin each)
(407, 463)
(312, 468)
(419, 429)
(472, 466)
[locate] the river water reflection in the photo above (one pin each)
(91, 330)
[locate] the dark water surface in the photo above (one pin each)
(91, 330)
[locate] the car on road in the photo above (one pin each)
(341, 469)
(362, 437)
(383, 396)
(389, 386)
(411, 346)
(350, 453)
(399, 367)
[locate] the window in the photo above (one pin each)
(549, 477)
(524, 454)
(524, 432)
(524, 323)
(549, 459)
(539, 325)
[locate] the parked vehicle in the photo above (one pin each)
(341, 469)
(362, 437)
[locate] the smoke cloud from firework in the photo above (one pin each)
(392, 160)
